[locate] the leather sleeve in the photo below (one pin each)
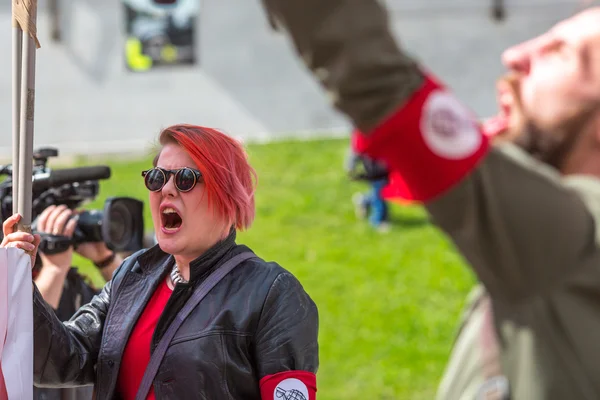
(65, 354)
(287, 333)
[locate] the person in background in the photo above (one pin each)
(63, 287)
(372, 204)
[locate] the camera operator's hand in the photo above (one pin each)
(57, 220)
(94, 251)
(21, 240)
(103, 258)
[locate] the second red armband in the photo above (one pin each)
(429, 144)
(292, 385)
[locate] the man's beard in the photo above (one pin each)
(551, 148)
(549, 145)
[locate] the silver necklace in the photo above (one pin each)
(176, 276)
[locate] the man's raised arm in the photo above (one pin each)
(348, 46)
(404, 116)
(505, 212)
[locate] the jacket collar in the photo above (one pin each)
(198, 267)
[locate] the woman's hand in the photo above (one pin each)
(22, 240)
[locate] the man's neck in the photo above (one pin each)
(584, 159)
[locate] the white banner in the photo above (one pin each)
(16, 324)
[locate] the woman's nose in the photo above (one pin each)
(169, 189)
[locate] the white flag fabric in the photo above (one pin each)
(3, 317)
(16, 325)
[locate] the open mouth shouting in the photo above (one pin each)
(508, 119)
(170, 219)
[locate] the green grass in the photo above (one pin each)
(388, 303)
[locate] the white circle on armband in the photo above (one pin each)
(448, 127)
(291, 389)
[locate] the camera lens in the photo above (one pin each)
(120, 225)
(123, 224)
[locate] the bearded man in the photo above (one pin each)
(524, 211)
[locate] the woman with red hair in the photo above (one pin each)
(196, 316)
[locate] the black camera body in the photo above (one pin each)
(120, 225)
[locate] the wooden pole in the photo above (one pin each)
(17, 46)
(24, 19)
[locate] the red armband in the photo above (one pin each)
(429, 144)
(289, 385)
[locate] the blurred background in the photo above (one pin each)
(246, 80)
(389, 303)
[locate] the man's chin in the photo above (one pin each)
(530, 139)
(552, 147)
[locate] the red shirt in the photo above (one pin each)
(137, 351)
(285, 384)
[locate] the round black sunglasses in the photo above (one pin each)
(185, 178)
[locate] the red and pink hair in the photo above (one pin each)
(228, 177)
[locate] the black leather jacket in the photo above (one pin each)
(257, 321)
(76, 292)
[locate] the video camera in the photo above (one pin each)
(120, 225)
